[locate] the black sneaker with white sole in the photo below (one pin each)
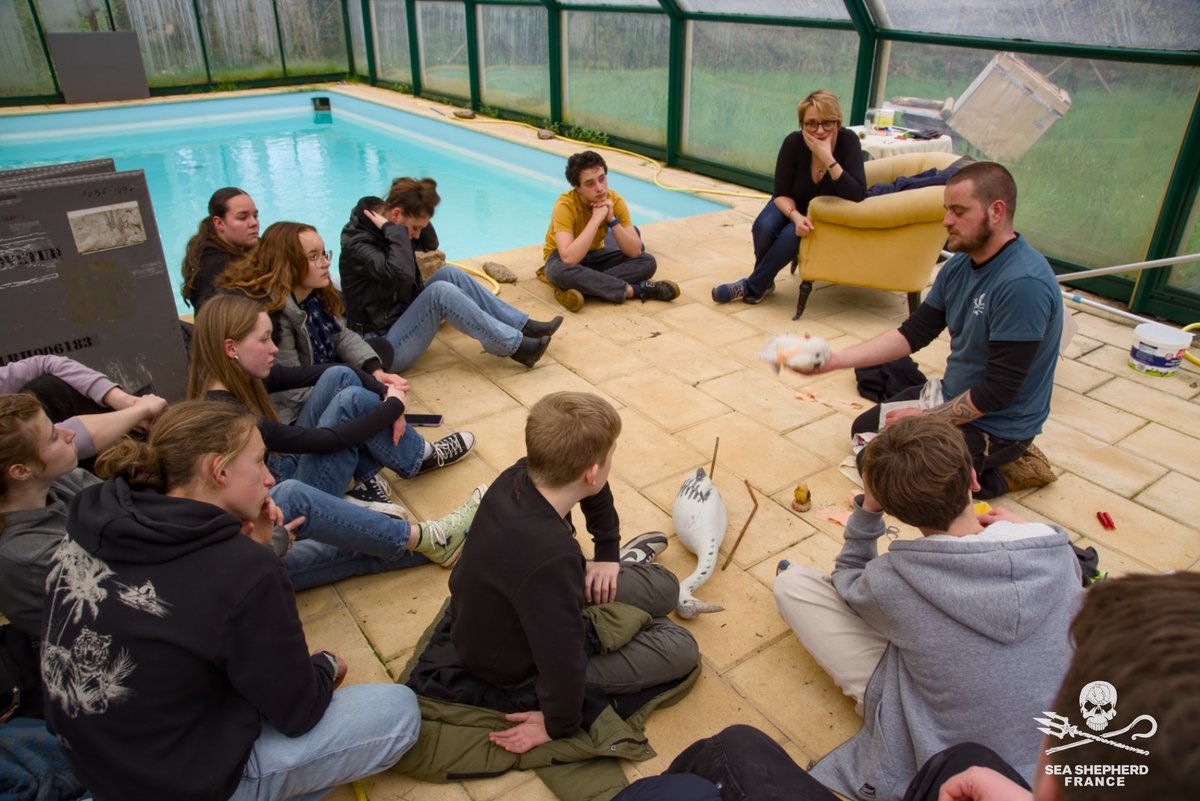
(644, 548)
(657, 290)
(448, 450)
(371, 490)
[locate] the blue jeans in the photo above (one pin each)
(775, 244)
(339, 539)
(337, 397)
(365, 730)
(452, 295)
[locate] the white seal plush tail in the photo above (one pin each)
(700, 521)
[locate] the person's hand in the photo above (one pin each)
(602, 210)
(830, 365)
(118, 399)
(375, 217)
(151, 406)
(400, 423)
(804, 226)
(530, 732)
(600, 582)
(869, 504)
(982, 784)
(821, 148)
(342, 669)
(896, 415)
(996, 513)
(260, 528)
(391, 380)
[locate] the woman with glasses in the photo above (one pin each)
(289, 275)
(822, 158)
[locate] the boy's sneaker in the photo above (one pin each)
(448, 450)
(724, 293)
(541, 276)
(569, 299)
(1031, 469)
(657, 290)
(442, 539)
(370, 490)
(644, 548)
(754, 301)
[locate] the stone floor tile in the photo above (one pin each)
(828, 489)
(1166, 446)
(861, 323)
(1098, 420)
(748, 623)
(533, 385)
(1081, 345)
(795, 694)
(593, 357)
(438, 492)
(1140, 395)
(490, 365)
(625, 323)
(461, 394)
(828, 437)
(837, 391)
(684, 356)
(1078, 376)
(1103, 329)
(773, 528)
(665, 399)
(638, 514)
(705, 324)
(318, 601)
(751, 450)
(762, 396)
(437, 357)
(394, 609)
(500, 438)
(1120, 471)
(1174, 495)
(675, 728)
(1141, 533)
(336, 632)
(516, 784)
(1116, 361)
(646, 453)
(391, 786)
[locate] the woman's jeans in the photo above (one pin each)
(775, 245)
(339, 539)
(337, 397)
(452, 295)
(365, 730)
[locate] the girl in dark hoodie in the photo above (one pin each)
(229, 232)
(173, 658)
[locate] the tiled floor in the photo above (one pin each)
(684, 373)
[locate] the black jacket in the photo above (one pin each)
(213, 261)
(379, 271)
(168, 638)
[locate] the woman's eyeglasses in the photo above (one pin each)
(326, 255)
(812, 125)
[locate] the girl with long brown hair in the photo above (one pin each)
(229, 232)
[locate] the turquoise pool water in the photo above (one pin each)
(308, 167)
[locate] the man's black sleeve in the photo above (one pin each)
(1007, 365)
(923, 326)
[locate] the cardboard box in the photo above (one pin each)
(1007, 108)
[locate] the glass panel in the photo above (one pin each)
(72, 16)
(808, 9)
(1187, 276)
(241, 38)
(357, 37)
(314, 36)
(23, 69)
(167, 37)
(1156, 24)
(442, 33)
(759, 73)
(614, 3)
(617, 74)
(391, 41)
(1090, 143)
(514, 58)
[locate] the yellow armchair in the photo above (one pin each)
(889, 242)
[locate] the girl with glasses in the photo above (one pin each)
(822, 158)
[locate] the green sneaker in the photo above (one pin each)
(442, 539)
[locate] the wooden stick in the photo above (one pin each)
(745, 526)
(713, 466)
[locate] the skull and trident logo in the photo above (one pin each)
(1098, 706)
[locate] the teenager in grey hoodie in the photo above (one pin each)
(958, 636)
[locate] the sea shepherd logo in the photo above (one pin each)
(1098, 707)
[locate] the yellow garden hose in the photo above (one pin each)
(1188, 353)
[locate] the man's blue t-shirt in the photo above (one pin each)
(1011, 298)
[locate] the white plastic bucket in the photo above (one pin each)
(1158, 349)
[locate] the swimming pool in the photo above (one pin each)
(310, 167)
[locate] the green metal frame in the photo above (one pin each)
(1152, 292)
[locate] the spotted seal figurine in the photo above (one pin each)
(700, 521)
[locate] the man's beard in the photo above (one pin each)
(969, 245)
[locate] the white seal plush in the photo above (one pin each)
(800, 353)
(700, 522)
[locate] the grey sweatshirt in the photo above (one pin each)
(978, 644)
(27, 542)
